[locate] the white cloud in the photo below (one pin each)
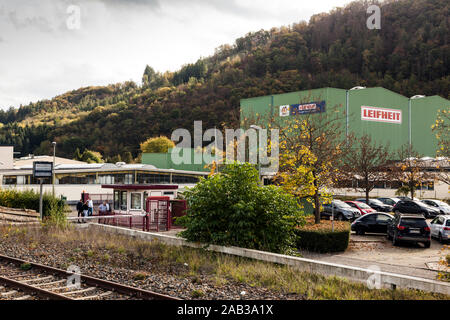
(40, 58)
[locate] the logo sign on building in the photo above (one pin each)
(295, 109)
(42, 169)
(284, 110)
(311, 107)
(381, 114)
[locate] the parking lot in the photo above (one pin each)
(375, 250)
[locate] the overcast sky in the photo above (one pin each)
(45, 50)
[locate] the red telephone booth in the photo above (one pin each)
(159, 214)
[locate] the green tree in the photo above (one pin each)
(128, 157)
(157, 145)
(77, 155)
(231, 208)
(90, 156)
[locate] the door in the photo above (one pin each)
(370, 222)
(382, 223)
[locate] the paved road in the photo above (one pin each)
(375, 250)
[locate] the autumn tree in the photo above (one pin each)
(310, 147)
(410, 169)
(157, 145)
(367, 161)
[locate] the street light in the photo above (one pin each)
(258, 128)
(417, 96)
(347, 96)
(53, 175)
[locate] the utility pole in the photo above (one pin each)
(53, 174)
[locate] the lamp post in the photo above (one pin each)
(347, 97)
(257, 128)
(417, 96)
(53, 175)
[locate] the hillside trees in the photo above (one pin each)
(335, 49)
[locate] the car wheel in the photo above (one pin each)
(360, 232)
(340, 217)
(427, 244)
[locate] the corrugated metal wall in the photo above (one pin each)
(395, 133)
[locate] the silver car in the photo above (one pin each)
(443, 207)
(440, 228)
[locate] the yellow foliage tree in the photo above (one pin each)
(157, 145)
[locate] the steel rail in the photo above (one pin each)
(31, 289)
(105, 284)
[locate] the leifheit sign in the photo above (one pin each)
(381, 114)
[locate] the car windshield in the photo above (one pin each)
(413, 222)
(375, 201)
(362, 205)
(341, 204)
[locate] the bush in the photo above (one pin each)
(52, 207)
(230, 208)
(320, 238)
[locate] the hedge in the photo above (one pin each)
(320, 238)
(29, 199)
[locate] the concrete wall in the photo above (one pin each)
(385, 279)
(6, 157)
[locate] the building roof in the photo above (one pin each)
(28, 161)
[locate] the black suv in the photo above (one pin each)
(413, 206)
(377, 205)
(409, 228)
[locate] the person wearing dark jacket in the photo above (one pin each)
(80, 209)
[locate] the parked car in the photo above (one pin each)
(389, 201)
(361, 206)
(377, 205)
(342, 211)
(440, 228)
(442, 206)
(375, 222)
(412, 206)
(409, 228)
(408, 198)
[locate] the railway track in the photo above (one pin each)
(23, 280)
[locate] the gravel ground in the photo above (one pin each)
(170, 280)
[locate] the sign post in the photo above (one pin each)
(42, 170)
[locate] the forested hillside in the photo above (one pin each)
(409, 55)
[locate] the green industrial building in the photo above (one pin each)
(385, 115)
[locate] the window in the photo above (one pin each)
(116, 199)
(120, 200)
(382, 218)
(123, 200)
(136, 201)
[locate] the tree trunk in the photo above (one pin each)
(317, 207)
(367, 195)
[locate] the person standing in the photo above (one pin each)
(80, 209)
(90, 204)
(85, 210)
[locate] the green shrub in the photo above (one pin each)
(231, 208)
(52, 207)
(321, 238)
